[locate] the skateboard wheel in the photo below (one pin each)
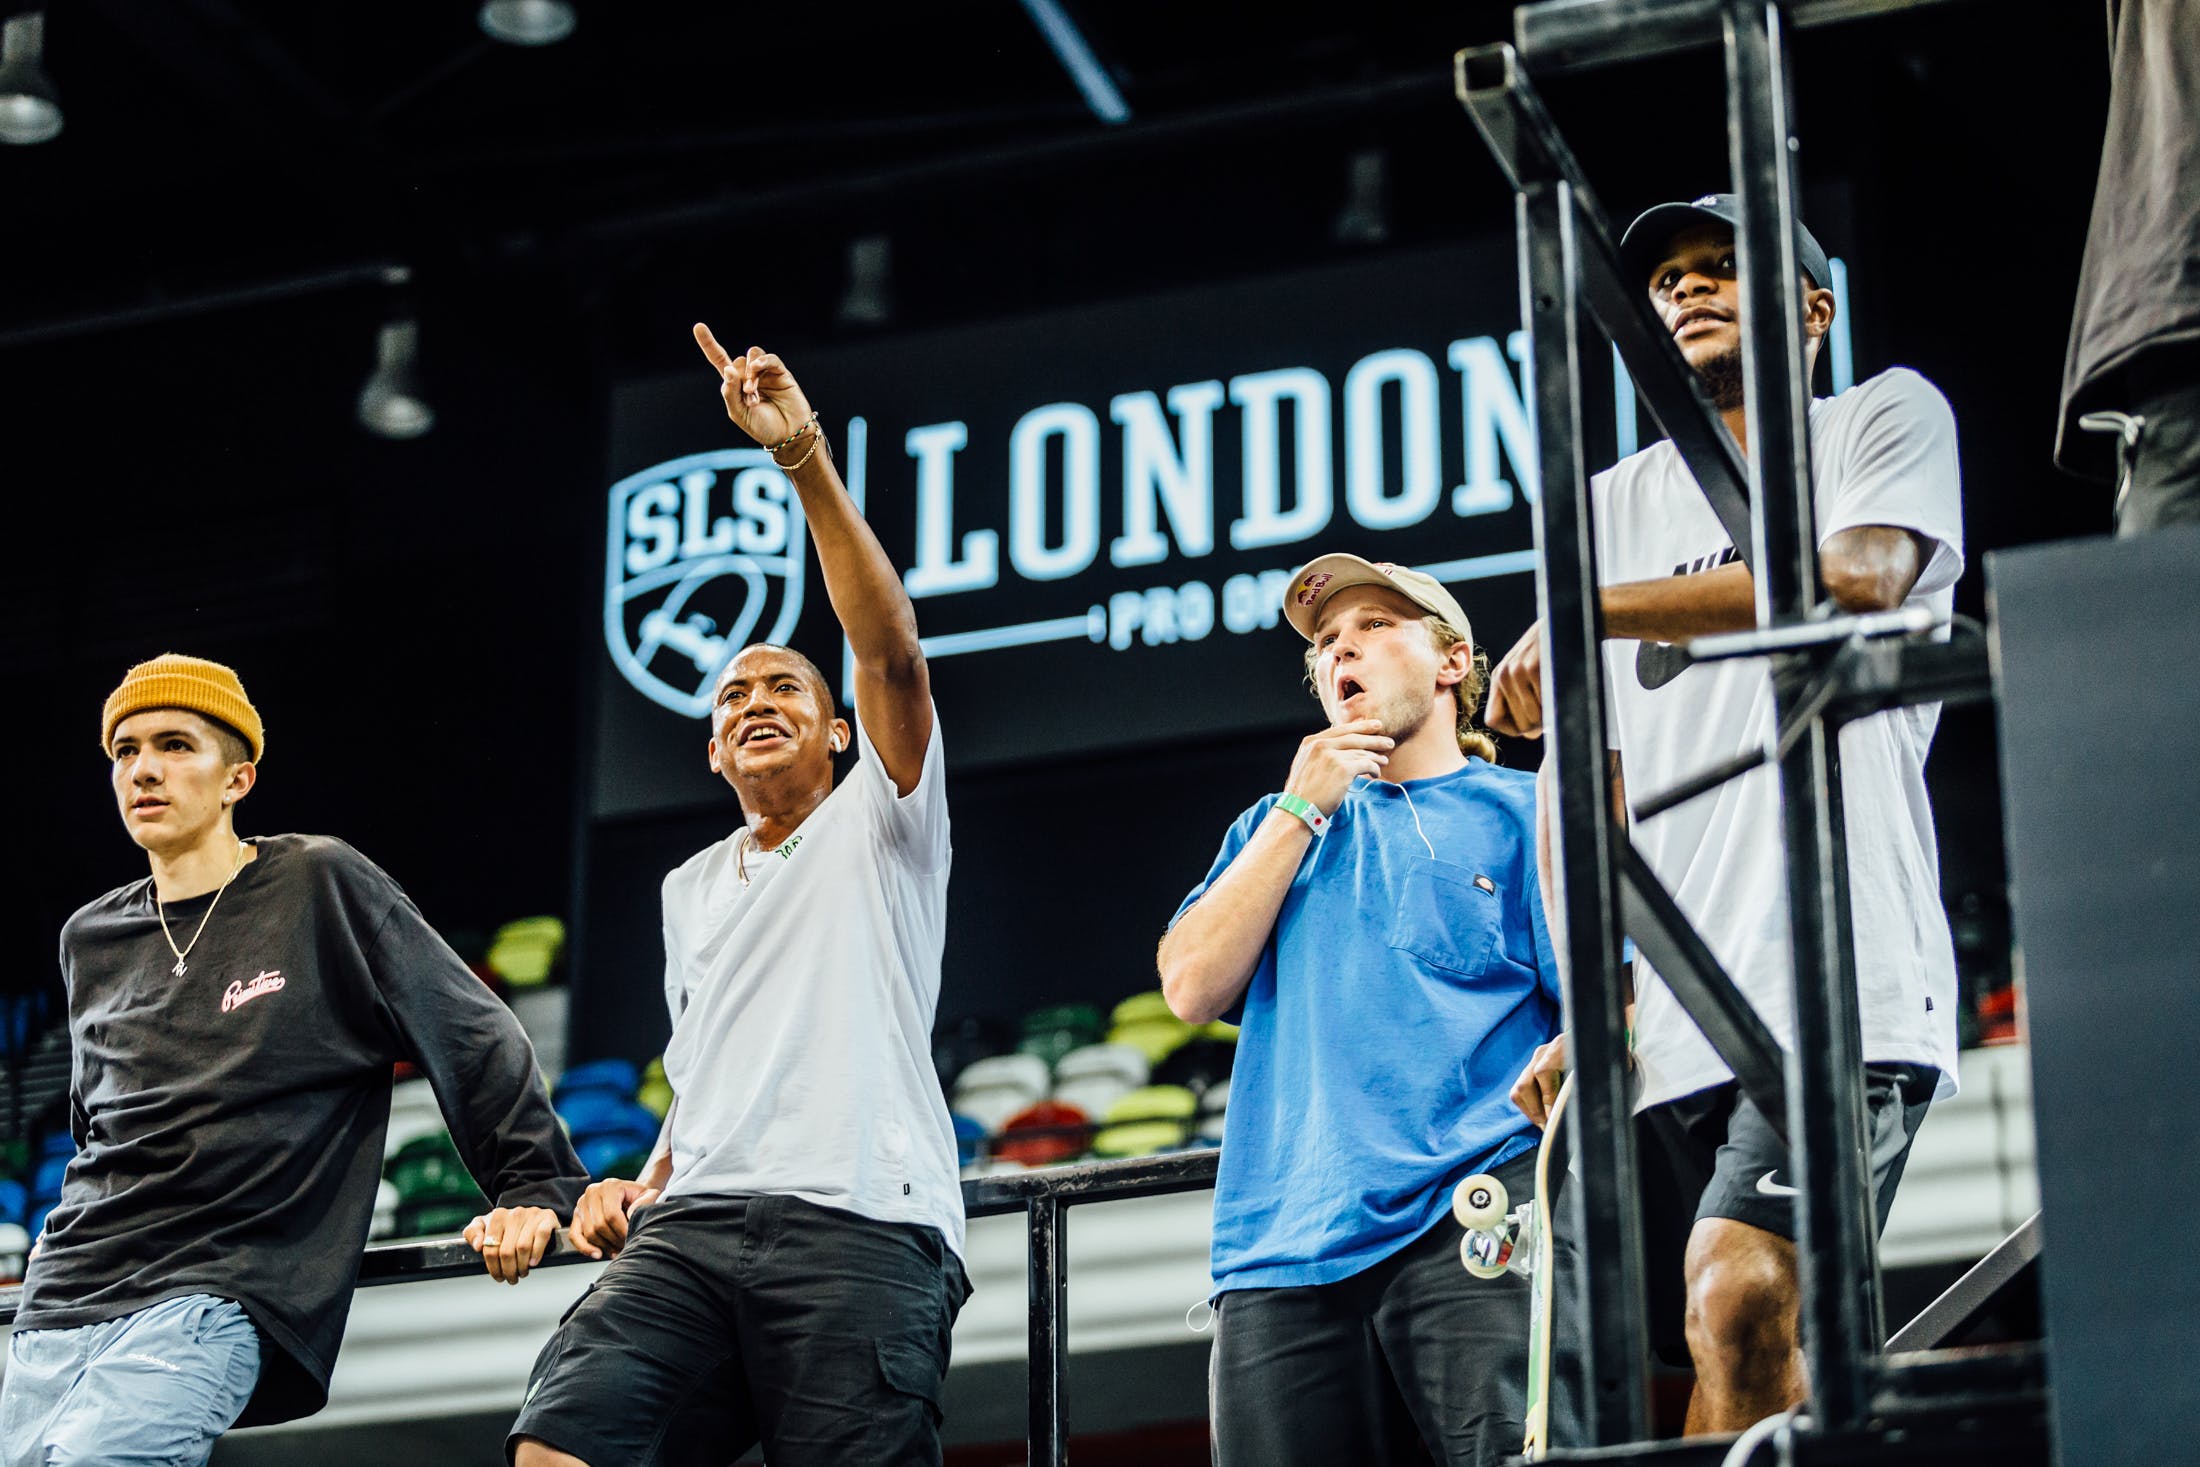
(1480, 1262)
(1480, 1202)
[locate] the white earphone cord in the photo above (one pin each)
(1412, 809)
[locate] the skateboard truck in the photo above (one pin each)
(1500, 1237)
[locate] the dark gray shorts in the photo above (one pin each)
(732, 1320)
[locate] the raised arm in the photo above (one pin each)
(893, 691)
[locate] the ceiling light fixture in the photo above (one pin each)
(869, 298)
(527, 22)
(390, 401)
(30, 104)
(1365, 217)
(1076, 55)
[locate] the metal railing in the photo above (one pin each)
(1826, 671)
(1044, 1195)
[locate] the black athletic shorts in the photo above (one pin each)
(1711, 1154)
(727, 1321)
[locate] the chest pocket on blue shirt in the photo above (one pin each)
(1447, 916)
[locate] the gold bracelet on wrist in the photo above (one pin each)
(817, 436)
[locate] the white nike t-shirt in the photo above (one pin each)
(1882, 453)
(802, 1007)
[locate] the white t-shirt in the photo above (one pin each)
(802, 1007)
(1882, 453)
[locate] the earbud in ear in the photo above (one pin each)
(836, 743)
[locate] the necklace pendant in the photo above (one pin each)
(178, 970)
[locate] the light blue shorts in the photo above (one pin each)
(150, 1389)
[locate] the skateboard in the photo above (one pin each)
(1502, 1238)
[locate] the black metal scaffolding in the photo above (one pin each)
(1826, 670)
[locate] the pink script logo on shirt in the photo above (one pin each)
(240, 993)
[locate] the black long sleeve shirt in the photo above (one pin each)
(230, 1121)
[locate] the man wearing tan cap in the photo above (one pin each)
(235, 1019)
(1378, 931)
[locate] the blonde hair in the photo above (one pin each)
(1474, 742)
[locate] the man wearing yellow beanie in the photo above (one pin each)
(235, 1019)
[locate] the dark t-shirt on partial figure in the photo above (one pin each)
(230, 1120)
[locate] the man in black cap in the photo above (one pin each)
(2131, 381)
(1717, 1198)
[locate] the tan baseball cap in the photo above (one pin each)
(1325, 575)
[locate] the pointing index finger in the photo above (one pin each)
(711, 349)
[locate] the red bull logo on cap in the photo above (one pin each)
(1310, 589)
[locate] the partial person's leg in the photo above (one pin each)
(845, 1325)
(153, 1389)
(643, 1372)
(1743, 1287)
(1742, 1325)
(1297, 1376)
(1458, 1345)
(43, 1364)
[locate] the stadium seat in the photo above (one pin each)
(969, 1138)
(1197, 1064)
(1153, 1118)
(523, 953)
(1053, 1032)
(1062, 1132)
(435, 1192)
(992, 1090)
(655, 1094)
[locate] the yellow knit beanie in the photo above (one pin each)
(173, 680)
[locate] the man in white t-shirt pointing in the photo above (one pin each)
(788, 1267)
(1718, 1202)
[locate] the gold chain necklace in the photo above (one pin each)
(160, 907)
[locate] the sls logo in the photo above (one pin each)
(700, 548)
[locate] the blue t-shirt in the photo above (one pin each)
(1407, 982)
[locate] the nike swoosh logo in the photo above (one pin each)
(1770, 1188)
(1657, 664)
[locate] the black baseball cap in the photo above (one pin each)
(1654, 228)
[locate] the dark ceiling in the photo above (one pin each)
(192, 273)
(214, 145)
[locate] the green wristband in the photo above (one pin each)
(1306, 810)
